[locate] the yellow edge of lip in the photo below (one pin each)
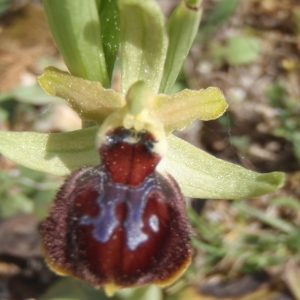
(110, 289)
(176, 275)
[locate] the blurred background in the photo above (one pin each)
(245, 250)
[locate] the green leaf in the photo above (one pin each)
(182, 28)
(242, 50)
(55, 153)
(4, 115)
(201, 175)
(110, 30)
(4, 7)
(143, 43)
(75, 26)
(31, 95)
(89, 99)
(222, 11)
(288, 202)
(71, 289)
(272, 221)
(179, 110)
(150, 292)
(12, 205)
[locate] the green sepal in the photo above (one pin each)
(201, 175)
(198, 174)
(54, 153)
(182, 28)
(75, 26)
(89, 99)
(143, 43)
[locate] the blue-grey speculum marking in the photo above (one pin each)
(110, 195)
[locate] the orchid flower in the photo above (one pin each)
(119, 219)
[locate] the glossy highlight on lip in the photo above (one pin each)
(119, 223)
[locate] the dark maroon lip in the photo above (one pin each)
(121, 222)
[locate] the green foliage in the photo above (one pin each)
(220, 14)
(222, 11)
(71, 289)
(25, 191)
(296, 13)
(246, 249)
(34, 95)
(240, 142)
(288, 111)
(4, 6)
(239, 50)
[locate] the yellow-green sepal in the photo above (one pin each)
(54, 153)
(201, 175)
(198, 174)
(89, 99)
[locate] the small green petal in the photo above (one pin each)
(75, 26)
(55, 153)
(89, 99)
(178, 111)
(143, 43)
(201, 175)
(182, 28)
